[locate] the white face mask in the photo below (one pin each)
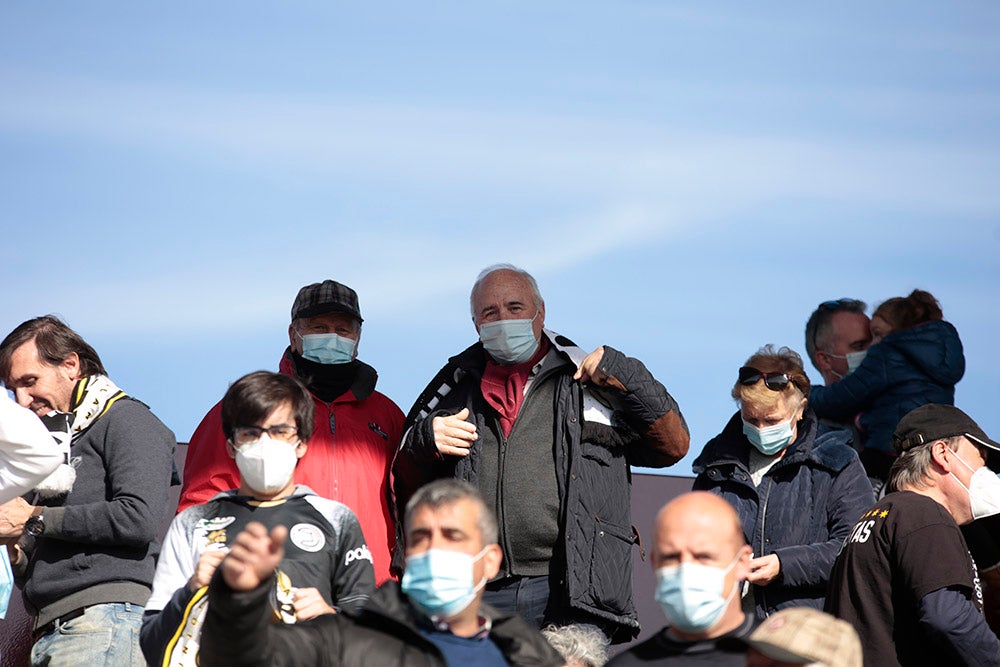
(266, 465)
(853, 360)
(983, 490)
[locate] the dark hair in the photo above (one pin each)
(55, 342)
(256, 395)
(819, 329)
(905, 312)
(448, 491)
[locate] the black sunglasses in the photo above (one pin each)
(774, 381)
(840, 304)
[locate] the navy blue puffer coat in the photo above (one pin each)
(804, 508)
(907, 369)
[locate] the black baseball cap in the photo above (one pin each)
(935, 421)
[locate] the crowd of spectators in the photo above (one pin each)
(841, 524)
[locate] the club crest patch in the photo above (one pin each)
(307, 537)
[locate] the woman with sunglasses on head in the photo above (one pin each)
(798, 494)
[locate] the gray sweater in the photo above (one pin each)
(101, 540)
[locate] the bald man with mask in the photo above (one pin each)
(700, 559)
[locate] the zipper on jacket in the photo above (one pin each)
(501, 511)
(763, 518)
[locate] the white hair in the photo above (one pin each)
(582, 645)
(503, 267)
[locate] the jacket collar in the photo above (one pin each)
(732, 447)
(473, 358)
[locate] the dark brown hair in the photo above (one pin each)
(905, 312)
(256, 395)
(55, 342)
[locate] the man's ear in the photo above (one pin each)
(742, 568)
(71, 366)
(230, 449)
(300, 449)
(939, 456)
(291, 337)
(822, 361)
(491, 560)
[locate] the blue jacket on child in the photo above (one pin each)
(903, 371)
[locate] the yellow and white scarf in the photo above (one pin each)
(91, 399)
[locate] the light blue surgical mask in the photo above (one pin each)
(328, 348)
(771, 439)
(691, 594)
(6, 581)
(440, 582)
(509, 341)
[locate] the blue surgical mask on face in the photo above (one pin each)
(440, 582)
(691, 594)
(328, 348)
(771, 439)
(509, 341)
(6, 582)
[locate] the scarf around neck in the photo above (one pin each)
(326, 381)
(92, 397)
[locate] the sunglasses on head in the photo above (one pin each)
(840, 304)
(774, 381)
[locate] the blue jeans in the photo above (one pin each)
(531, 599)
(527, 597)
(106, 634)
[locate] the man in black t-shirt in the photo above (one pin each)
(700, 559)
(904, 577)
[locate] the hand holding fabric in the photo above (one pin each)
(764, 570)
(590, 368)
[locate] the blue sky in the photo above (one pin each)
(685, 181)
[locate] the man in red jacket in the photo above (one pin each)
(357, 428)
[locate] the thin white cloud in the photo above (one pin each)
(602, 158)
(640, 183)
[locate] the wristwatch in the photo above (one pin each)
(35, 525)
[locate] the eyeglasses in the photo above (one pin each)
(244, 435)
(773, 381)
